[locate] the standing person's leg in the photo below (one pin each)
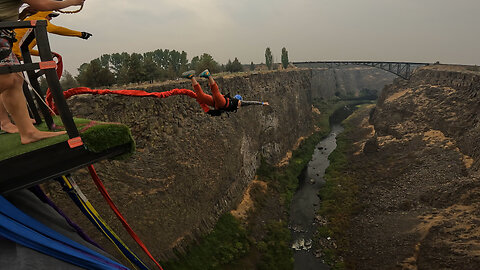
(218, 98)
(16, 105)
(201, 96)
(5, 123)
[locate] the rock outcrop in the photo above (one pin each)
(421, 179)
(348, 81)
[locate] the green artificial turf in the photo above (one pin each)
(101, 137)
(97, 137)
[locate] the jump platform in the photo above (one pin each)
(23, 166)
(86, 141)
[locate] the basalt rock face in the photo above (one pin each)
(190, 167)
(348, 81)
(420, 201)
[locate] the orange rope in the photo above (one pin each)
(136, 93)
(112, 205)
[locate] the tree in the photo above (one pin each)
(94, 75)
(206, 62)
(150, 67)
(284, 57)
(82, 74)
(105, 60)
(68, 81)
(194, 62)
(116, 60)
(160, 58)
(268, 58)
(228, 66)
(183, 62)
(136, 73)
(234, 66)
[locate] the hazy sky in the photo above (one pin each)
(376, 30)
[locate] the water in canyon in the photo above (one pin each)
(305, 203)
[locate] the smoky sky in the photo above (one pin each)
(374, 30)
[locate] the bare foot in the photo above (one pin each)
(39, 135)
(9, 128)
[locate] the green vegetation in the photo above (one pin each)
(97, 138)
(105, 136)
(268, 58)
(284, 57)
(275, 247)
(364, 94)
(234, 66)
(158, 65)
(284, 181)
(67, 81)
(226, 243)
(205, 61)
(338, 200)
(122, 68)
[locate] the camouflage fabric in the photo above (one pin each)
(7, 57)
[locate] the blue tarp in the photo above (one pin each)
(18, 228)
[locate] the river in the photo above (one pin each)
(305, 204)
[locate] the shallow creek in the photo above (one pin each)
(305, 204)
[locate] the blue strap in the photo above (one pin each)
(73, 191)
(20, 228)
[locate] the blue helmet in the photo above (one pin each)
(238, 97)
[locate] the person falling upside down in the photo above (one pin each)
(221, 103)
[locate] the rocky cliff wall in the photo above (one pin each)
(348, 81)
(190, 167)
(420, 176)
(443, 98)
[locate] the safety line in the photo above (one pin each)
(87, 208)
(112, 205)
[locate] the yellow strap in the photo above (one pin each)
(96, 217)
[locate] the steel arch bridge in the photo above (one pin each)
(403, 70)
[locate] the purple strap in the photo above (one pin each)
(44, 198)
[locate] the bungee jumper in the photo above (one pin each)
(51, 28)
(221, 103)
